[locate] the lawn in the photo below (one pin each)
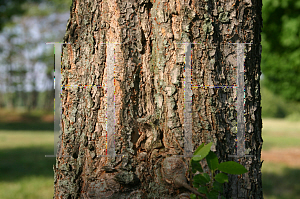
(25, 173)
(278, 133)
(281, 155)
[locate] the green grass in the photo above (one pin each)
(26, 139)
(279, 180)
(28, 126)
(25, 173)
(278, 133)
(274, 106)
(28, 188)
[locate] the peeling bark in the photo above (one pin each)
(149, 94)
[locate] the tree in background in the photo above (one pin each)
(24, 60)
(12, 8)
(281, 47)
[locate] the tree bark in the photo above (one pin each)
(149, 83)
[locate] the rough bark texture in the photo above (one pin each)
(149, 83)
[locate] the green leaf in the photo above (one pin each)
(218, 186)
(202, 153)
(199, 147)
(206, 176)
(193, 196)
(202, 189)
(196, 185)
(196, 166)
(213, 194)
(221, 178)
(212, 160)
(200, 179)
(232, 167)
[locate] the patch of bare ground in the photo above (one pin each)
(48, 118)
(288, 156)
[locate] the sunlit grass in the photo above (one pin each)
(11, 139)
(280, 134)
(27, 188)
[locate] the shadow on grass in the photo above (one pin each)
(285, 185)
(32, 126)
(25, 161)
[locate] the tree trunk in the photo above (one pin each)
(149, 83)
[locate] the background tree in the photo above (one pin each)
(13, 8)
(26, 65)
(149, 84)
(281, 48)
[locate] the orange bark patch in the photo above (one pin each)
(163, 31)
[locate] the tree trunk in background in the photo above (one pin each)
(149, 68)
